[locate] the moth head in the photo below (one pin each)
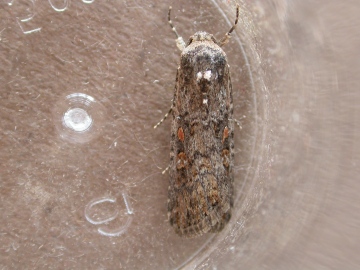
(202, 36)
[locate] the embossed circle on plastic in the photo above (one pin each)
(79, 117)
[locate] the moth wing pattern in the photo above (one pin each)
(202, 144)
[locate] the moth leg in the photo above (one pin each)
(162, 120)
(237, 122)
(180, 43)
(226, 38)
(167, 168)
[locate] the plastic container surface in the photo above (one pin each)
(84, 82)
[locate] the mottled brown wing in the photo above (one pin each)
(201, 159)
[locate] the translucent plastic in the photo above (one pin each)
(82, 83)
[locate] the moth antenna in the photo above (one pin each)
(179, 40)
(226, 38)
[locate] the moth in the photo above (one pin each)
(202, 136)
